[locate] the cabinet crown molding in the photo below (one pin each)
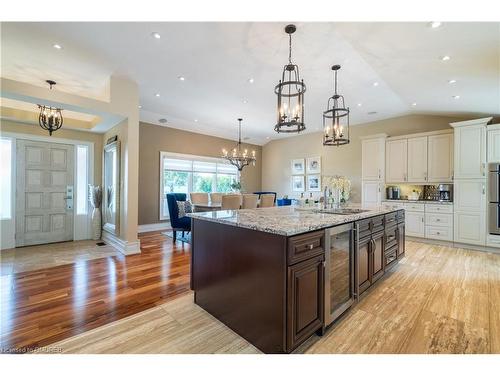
(417, 135)
(373, 136)
(479, 121)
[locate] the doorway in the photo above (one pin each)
(44, 192)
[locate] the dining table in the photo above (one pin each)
(204, 207)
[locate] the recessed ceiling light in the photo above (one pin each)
(456, 96)
(157, 95)
(435, 24)
(250, 80)
(414, 104)
(360, 104)
(245, 101)
(375, 84)
(195, 120)
(162, 121)
(445, 58)
(267, 137)
(451, 81)
(181, 78)
(156, 35)
(140, 106)
(57, 46)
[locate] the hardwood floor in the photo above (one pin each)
(41, 307)
(437, 300)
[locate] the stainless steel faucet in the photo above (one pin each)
(325, 198)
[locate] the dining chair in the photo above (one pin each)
(266, 200)
(199, 198)
(216, 198)
(250, 201)
(231, 202)
(177, 223)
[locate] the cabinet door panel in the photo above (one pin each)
(494, 146)
(305, 300)
(396, 160)
(373, 159)
(417, 159)
(415, 225)
(470, 195)
(371, 194)
(377, 251)
(470, 228)
(363, 262)
(440, 154)
(401, 240)
(470, 152)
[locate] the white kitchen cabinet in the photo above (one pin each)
(371, 193)
(373, 158)
(417, 159)
(415, 224)
(440, 158)
(396, 163)
(470, 228)
(470, 195)
(470, 151)
(493, 145)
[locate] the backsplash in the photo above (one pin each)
(427, 192)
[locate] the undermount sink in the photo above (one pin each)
(341, 211)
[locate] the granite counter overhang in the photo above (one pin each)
(284, 221)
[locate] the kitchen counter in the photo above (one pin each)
(415, 201)
(285, 221)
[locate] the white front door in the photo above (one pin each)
(44, 214)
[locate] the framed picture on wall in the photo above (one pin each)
(314, 165)
(297, 183)
(298, 166)
(313, 182)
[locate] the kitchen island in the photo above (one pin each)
(262, 271)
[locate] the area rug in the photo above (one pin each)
(186, 238)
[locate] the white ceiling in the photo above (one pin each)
(217, 59)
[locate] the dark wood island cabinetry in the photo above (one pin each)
(267, 282)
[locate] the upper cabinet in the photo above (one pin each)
(396, 163)
(494, 144)
(440, 158)
(417, 159)
(373, 158)
(420, 158)
(470, 151)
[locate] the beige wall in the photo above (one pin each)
(153, 139)
(32, 129)
(342, 160)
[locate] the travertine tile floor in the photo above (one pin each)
(437, 300)
(32, 258)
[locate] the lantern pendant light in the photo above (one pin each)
(336, 118)
(290, 91)
(238, 157)
(50, 118)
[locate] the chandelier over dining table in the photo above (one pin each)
(239, 156)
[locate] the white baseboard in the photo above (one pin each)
(457, 245)
(125, 247)
(154, 227)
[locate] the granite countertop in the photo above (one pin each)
(286, 220)
(415, 201)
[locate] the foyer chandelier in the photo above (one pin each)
(336, 118)
(239, 157)
(50, 118)
(290, 91)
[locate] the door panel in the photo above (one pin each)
(470, 195)
(440, 163)
(373, 156)
(44, 173)
(470, 228)
(377, 251)
(470, 152)
(417, 159)
(363, 262)
(371, 194)
(415, 225)
(396, 160)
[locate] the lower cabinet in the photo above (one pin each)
(401, 239)
(415, 224)
(305, 310)
(370, 260)
(469, 227)
(377, 252)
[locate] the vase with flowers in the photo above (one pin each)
(95, 198)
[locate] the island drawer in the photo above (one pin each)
(377, 223)
(391, 237)
(305, 246)
(390, 219)
(368, 226)
(390, 256)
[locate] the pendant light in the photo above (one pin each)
(336, 118)
(50, 118)
(239, 157)
(290, 91)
